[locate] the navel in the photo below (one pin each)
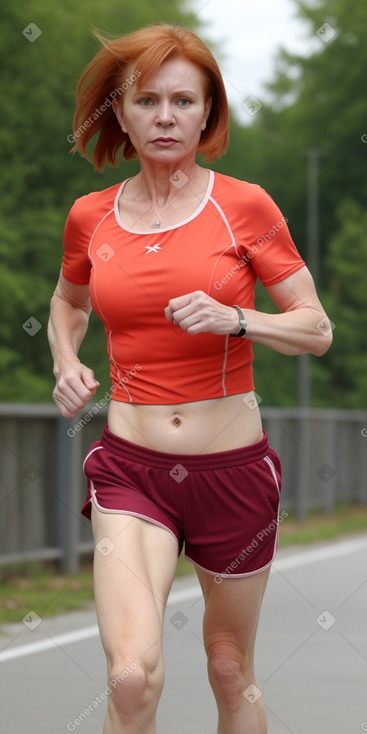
(176, 421)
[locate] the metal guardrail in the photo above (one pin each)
(323, 452)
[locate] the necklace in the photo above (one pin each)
(157, 222)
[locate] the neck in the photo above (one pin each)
(159, 186)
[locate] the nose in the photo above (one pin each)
(164, 114)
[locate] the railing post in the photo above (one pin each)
(304, 458)
(362, 467)
(330, 489)
(68, 491)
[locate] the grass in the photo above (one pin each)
(38, 587)
(345, 520)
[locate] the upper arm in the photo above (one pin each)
(296, 291)
(78, 230)
(76, 295)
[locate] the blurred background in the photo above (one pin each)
(295, 75)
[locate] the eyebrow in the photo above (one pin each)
(179, 92)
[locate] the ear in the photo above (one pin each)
(208, 106)
(118, 112)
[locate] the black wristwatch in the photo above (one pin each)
(243, 322)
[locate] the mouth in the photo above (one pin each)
(164, 142)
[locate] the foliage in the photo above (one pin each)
(326, 112)
(346, 363)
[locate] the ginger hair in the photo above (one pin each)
(105, 79)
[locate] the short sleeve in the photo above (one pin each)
(270, 249)
(76, 264)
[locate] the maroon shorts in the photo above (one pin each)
(223, 506)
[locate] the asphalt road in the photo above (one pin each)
(311, 656)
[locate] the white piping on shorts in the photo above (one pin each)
(99, 507)
(258, 570)
(272, 468)
(224, 576)
(96, 448)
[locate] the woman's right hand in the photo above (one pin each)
(75, 387)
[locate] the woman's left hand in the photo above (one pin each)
(197, 312)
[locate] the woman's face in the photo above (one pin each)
(164, 119)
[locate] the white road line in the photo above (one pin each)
(192, 592)
(303, 558)
(50, 643)
(322, 553)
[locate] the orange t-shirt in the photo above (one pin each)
(236, 235)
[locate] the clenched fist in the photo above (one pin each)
(197, 312)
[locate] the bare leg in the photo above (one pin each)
(133, 572)
(232, 610)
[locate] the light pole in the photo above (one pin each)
(304, 360)
(312, 240)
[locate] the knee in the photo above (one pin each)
(226, 669)
(127, 680)
(133, 686)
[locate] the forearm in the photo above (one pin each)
(69, 315)
(301, 326)
(300, 331)
(67, 327)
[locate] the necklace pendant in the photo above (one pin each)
(156, 224)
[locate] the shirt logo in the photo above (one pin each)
(152, 248)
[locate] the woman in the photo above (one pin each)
(169, 259)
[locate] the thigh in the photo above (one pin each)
(134, 567)
(232, 610)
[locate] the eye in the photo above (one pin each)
(145, 101)
(184, 102)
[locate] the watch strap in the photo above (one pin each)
(243, 322)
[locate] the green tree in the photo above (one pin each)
(343, 370)
(316, 101)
